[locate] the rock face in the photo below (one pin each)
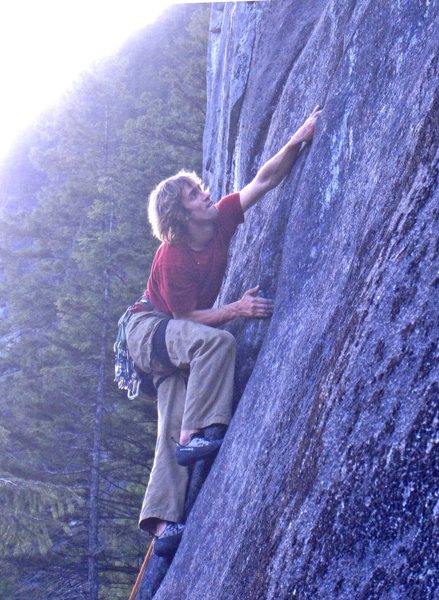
(324, 487)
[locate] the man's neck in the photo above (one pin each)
(199, 235)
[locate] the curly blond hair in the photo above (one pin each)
(166, 212)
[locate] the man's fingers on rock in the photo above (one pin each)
(265, 310)
(262, 300)
(260, 309)
(264, 306)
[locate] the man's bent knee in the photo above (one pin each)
(226, 338)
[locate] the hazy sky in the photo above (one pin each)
(45, 44)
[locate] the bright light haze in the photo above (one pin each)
(46, 44)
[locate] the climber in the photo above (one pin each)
(195, 372)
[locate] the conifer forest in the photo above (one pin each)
(75, 249)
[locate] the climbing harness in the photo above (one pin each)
(126, 375)
(142, 570)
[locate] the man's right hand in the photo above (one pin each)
(253, 306)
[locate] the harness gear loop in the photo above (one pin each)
(125, 374)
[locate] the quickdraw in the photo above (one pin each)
(125, 374)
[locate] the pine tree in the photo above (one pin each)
(69, 439)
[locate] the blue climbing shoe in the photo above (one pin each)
(167, 542)
(197, 448)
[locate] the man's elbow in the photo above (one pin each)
(264, 183)
(253, 192)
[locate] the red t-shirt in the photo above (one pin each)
(182, 279)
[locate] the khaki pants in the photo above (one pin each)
(197, 394)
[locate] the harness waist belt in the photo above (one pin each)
(144, 304)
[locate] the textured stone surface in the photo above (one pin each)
(325, 485)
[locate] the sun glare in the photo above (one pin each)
(44, 45)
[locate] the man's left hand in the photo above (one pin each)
(305, 132)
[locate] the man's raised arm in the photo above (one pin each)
(278, 167)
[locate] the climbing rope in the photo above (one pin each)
(142, 570)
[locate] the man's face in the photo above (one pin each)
(199, 204)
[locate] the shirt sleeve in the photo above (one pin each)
(230, 213)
